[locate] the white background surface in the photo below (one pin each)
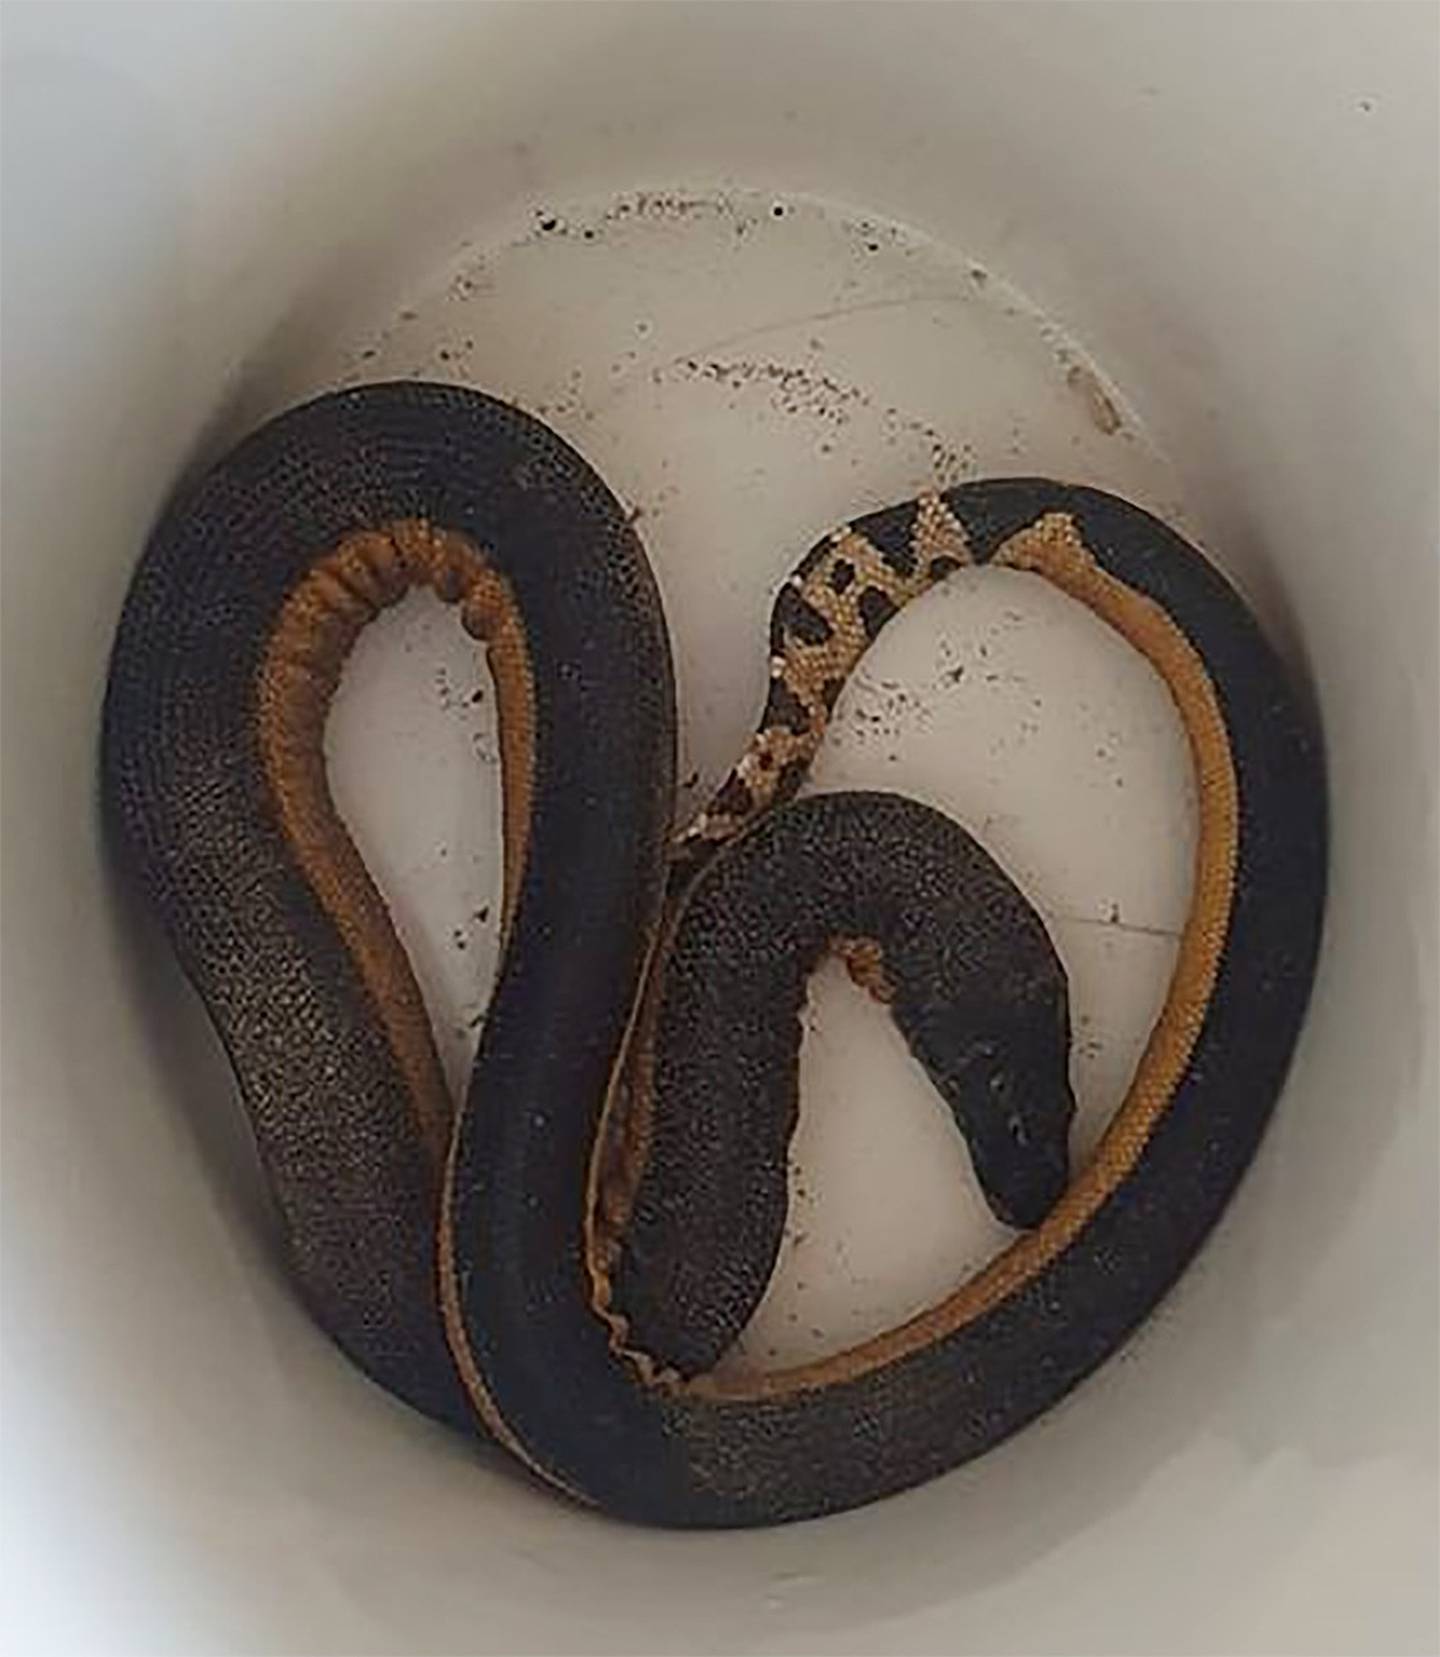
(1227, 218)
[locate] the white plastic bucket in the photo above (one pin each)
(767, 267)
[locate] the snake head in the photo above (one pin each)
(1015, 1113)
(1005, 1076)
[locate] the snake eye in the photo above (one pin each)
(1017, 1130)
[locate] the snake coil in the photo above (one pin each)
(565, 1258)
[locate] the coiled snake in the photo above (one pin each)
(601, 1214)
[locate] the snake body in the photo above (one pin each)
(565, 1258)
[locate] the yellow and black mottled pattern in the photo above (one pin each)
(601, 1211)
(825, 617)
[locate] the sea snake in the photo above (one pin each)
(563, 1259)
